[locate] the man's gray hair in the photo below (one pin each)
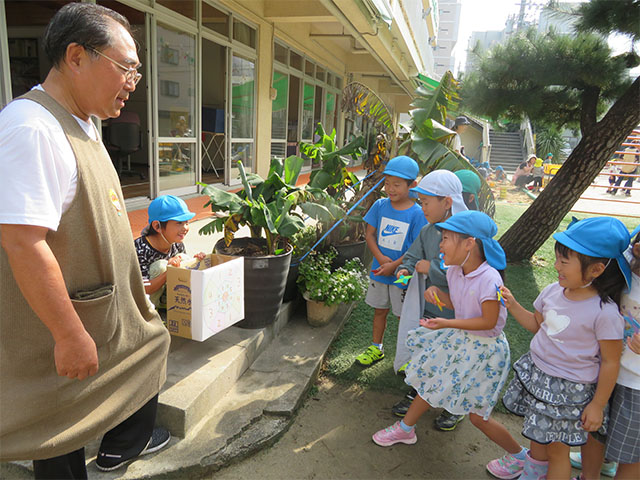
(86, 24)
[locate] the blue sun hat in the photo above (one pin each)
(478, 225)
(599, 237)
(169, 207)
(442, 183)
(402, 167)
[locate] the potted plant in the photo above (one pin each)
(268, 208)
(325, 289)
(302, 242)
(341, 187)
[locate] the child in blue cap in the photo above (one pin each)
(461, 363)
(621, 447)
(161, 244)
(393, 223)
(562, 385)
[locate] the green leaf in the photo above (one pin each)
(317, 211)
(245, 183)
(292, 167)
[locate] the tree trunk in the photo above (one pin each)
(584, 163)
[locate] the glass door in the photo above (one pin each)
(176, 104)
(242, 117)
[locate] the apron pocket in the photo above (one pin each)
(98, 310)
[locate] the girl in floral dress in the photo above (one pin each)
(461, 364)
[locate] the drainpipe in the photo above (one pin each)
(336, 12)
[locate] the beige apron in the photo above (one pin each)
(43, 415)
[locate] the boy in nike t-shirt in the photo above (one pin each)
(393, 224)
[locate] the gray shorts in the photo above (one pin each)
(383, 296)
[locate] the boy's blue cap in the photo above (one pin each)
(169, 207)
(479, 225)
(499, 167)
(600, 237)
(402, 167)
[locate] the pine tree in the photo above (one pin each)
(563, 80)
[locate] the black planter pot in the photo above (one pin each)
(291, 291)
(348, 251)
(264, 283)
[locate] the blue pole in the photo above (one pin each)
(340, 221)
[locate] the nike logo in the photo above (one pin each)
(390, 230)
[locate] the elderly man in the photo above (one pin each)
(81, 351)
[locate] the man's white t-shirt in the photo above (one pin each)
(38, 172)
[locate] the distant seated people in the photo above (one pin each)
(499, 174)
(484, 169)
(522, 175)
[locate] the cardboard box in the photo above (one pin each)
(205, 297)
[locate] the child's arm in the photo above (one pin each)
(488, 320)
(610, 351)
(372, 242)
(529, 320)
(156, 283)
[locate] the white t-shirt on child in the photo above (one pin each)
(37, 165)
(629, 375)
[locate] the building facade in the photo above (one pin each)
(233, 80)
(449, 23)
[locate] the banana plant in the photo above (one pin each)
(429, 141)
(266, 206)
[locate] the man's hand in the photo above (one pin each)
(76, 357)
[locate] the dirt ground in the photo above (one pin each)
(331, 439)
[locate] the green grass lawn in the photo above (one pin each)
(525, 280)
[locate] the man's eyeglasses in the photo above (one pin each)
(131, 74)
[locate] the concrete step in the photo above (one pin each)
(257, 409)
(201, 373)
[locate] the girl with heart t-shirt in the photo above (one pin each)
(563, 384)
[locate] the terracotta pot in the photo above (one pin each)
(319, 314)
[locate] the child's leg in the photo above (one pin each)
(496, 432)
(559, 465)
(628, 471)
(592, 456)
(416, 410)
(379, 324)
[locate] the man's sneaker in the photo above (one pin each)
(608, 469)
(394, 434)
(370, 356)
(447, 421)
(506, 467)
(107, 462)
(401, 408)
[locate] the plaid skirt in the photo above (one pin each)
(551, 406)
(623, 437)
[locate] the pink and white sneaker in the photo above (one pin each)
(394, 434)
(506, 467)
